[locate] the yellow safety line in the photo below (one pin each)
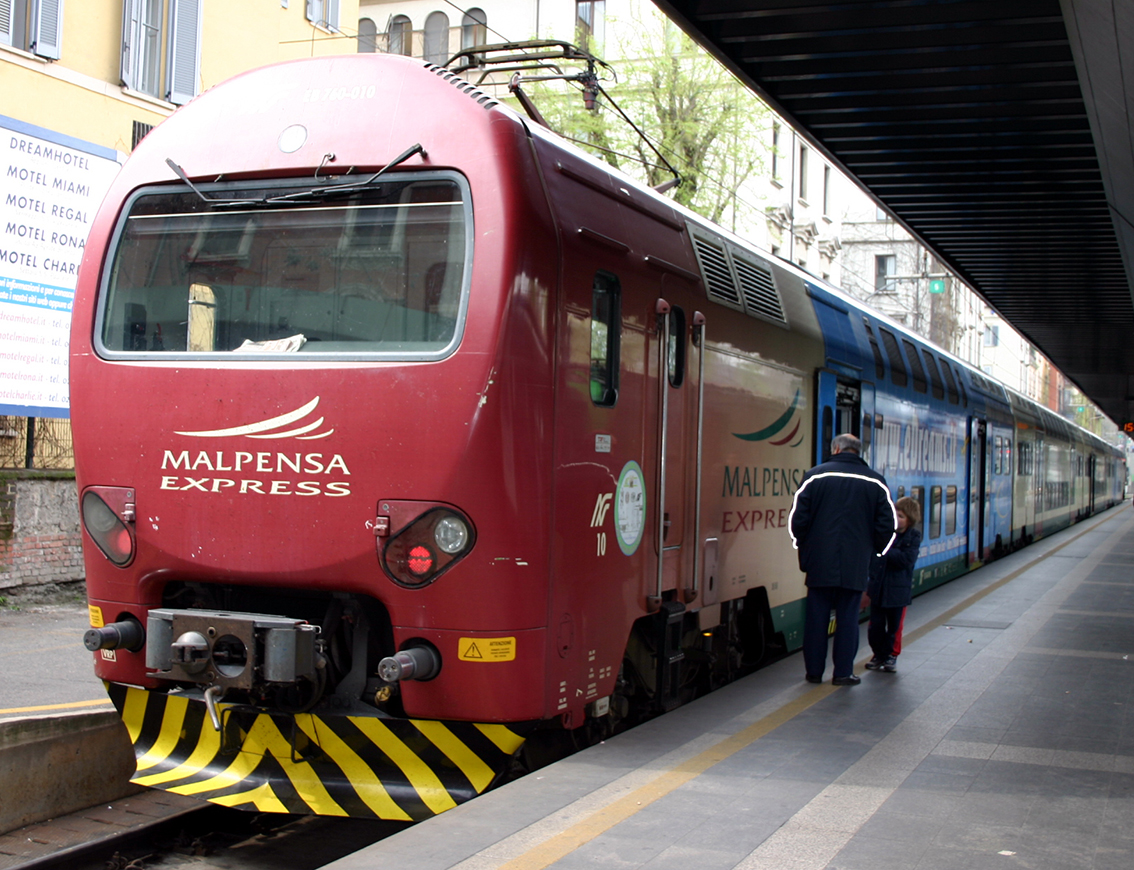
(421, 776)
(602, 820)
(472, 765)
(43, 707)
(949, 614)
(358, 773)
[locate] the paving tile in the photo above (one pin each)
(877, 854)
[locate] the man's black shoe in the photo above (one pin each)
(811, 678)
(851, 680)
(875, 663)
(890, 666)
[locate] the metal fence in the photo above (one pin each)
(35, 442)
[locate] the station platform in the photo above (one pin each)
(1005, 740)
(47, 670)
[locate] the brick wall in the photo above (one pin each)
(40, 544)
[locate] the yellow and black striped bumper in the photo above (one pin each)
(359, 766)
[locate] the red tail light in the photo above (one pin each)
(420, 561)
(427, 547)
(108, 517)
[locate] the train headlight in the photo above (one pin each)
(427, 547)
(451, 534)
(108, 528)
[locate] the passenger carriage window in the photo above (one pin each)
(894, 353)
(950, 383)
(950, 510)
(879, 366)
(901, 492)
(606, 334)
(935, 512)
(676, 351)
(934, 377)
(996, 451)
(916, 371)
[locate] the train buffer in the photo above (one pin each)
(1004, 733)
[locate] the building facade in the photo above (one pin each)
(83, 82)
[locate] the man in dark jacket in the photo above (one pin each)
(842, 514)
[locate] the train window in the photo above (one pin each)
(916, 371)
(676, 351)
(606, 329)
(1006, 465)
(901, 492)
(935, 512)
(950, 510)
(280, 269)
(950, 383)
(897, 366)
(996, 452)
(934, 377)
(961, 389)
(917, 493)
(879, 366)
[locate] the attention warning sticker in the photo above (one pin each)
(486, 649)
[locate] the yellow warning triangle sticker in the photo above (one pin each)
(471, 652)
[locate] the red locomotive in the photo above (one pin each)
(404, 430)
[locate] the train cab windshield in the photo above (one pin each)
(379, 272)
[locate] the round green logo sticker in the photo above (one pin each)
(630, 507)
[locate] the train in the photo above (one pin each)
(409, 437)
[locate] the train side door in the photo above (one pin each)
(1091, 464)
(978, 481)
(1040, 482)
(838, 410)
(678, 440)
(866, 431)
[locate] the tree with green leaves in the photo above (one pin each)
(708, 126)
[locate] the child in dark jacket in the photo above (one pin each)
(891, 586)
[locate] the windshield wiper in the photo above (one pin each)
(349, 187)
(205, 197)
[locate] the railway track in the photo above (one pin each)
(205, 837)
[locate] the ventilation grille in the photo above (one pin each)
(759, 290)
(461, 85)
(739, 281)
(715, 271)
(140, 131)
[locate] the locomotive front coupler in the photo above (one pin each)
(242, 651)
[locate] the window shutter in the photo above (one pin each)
(314, 10)
(332, 10)
(184, 50)
(48, 26)
(130, 13)
(6, 11)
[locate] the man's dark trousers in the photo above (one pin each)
(821, 600)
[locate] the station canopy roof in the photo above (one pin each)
(999, 132)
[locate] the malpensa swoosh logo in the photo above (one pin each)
(776, 428)
(275, 427)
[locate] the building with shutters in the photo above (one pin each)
(81, 82)
(104, 71)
